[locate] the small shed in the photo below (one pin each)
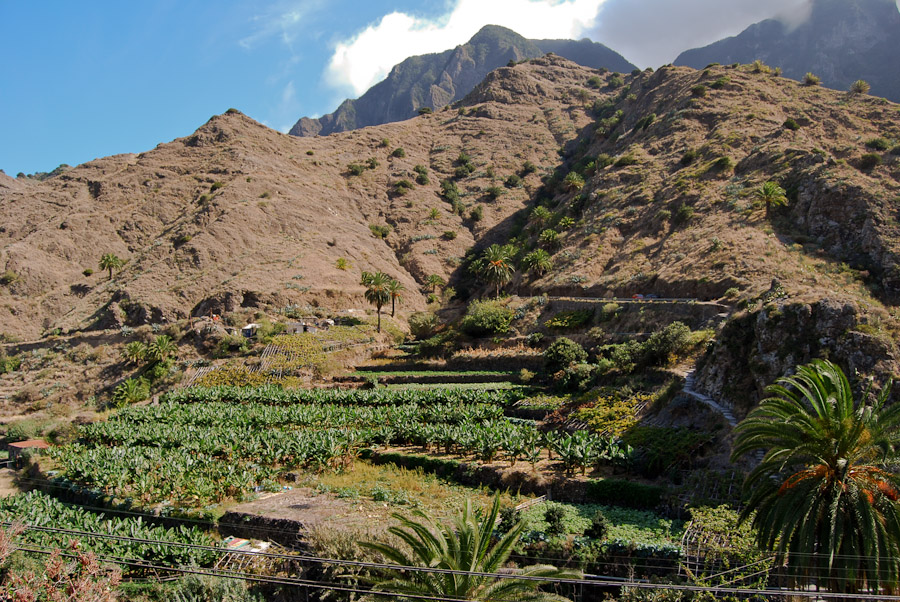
(16, 449)
(249, 331)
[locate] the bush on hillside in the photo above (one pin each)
(485, 318)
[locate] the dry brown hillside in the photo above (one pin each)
(237, 214)
(240, 215)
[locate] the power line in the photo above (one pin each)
(601, 581)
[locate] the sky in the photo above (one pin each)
(82, 80)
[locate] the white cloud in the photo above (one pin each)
(367, 58)
(285, 20)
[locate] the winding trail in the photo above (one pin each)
(689, 380)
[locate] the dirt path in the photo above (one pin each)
(8, 482)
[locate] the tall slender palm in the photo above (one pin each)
(395, 289)
(825, 497)
(772, 195)
(110, 261)
(377, 292)
(464, 545)
(497, 266)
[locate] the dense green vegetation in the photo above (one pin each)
(40, 510)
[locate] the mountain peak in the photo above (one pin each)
(841, 41)
(436, 80)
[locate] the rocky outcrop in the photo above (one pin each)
(757, 347)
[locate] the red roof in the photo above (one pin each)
(39, 443)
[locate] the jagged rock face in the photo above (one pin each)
(436, 80)
(841, 42)
(756, 348)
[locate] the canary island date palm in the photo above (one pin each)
(110, 261)
(377, 291)
(395, 289)
(772, 195)
(497, 266)
(464, 545)
(825, 497)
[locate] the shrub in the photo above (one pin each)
(476, 214)
(385, 142)
(554, 516)
(573, 182)
(356, 169)
(421, 175)
(626, 160)
(758, 66)
(9, 364)
(870, 161)
(645, 122)
(310, 153)
(896, 150)
(88, 272)
(425, 111)
(724, 163)
(398, 152)
(493, 192)
(599, 527)
(594, 81)
(401, 187)
(380, 231)
(811, 80)
(603, 160)
(720, 83)
(371, 162)
(342, 264)
(570, 319)
(513, 181)
(684, 214)
(860, 86)
(20, 431)
(689, 156)
(216, 185)
(486, 318)
(423, 324)
(8, 277)
(549, 238)
(562, 353)
(791, 124)
(449, 190)
(449, 235)
(699, 90)
(879, 144)
(528, 167)
(616, 81)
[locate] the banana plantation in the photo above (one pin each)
(206, 446)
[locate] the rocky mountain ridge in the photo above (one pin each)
(841, 42)
(433, 81)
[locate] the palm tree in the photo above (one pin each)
(110, 261)
(538, 262)
(161, 349)
(135, 352)
(464, 545)
(435, 281)
(497, 266)
(377, 292)
(772, 195)
(825, 497)
(395, 288)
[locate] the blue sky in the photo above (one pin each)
(83, 80)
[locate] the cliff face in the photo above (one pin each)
(436, 80)
(841, 42)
